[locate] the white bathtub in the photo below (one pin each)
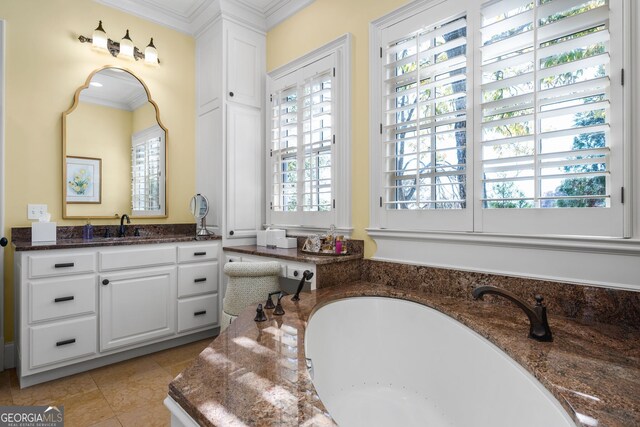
(388, 362)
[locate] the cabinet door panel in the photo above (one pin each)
(245, 65)
(244, 151)
(137, 306)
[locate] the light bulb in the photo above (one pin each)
(151, 54)
(99, 37)
(126, 46)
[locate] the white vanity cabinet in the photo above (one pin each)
(77, 309)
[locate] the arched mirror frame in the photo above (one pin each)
(76, 101)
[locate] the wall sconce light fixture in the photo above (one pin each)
(125, 48)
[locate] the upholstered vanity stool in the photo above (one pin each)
(249, 283)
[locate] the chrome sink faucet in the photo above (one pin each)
(538, 325)
(122, 229)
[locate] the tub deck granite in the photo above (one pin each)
(255, 374)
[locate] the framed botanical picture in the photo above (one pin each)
(84, 180)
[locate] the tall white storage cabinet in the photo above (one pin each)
(231, 72)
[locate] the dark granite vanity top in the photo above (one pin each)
(70, 237)
(255, 373)
(355, 252)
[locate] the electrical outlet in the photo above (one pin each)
(36, 211)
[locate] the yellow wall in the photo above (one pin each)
(310, 26)
(143, 118)
(104, 133)
(45, 64)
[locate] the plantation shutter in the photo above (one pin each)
(302, 135)
(427, 120)
(546, 107)
(147, 164)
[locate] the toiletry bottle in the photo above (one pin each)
(87, 231)
(338, 246)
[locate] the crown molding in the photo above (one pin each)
(202, 13)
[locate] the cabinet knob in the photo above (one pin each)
(231, 233)
(3, 241)
(295, 273)
(105, 282)
(231, 94)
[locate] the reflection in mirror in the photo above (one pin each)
(199, 208)
(114, 121)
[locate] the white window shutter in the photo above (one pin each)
(546, 142)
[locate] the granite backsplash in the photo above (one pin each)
(589, 304)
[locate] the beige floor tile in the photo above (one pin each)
(52, 391)
(111, 422)
(5, 389)
(86, 409)
(156, 415)
(139, 390)
(174, 370)
(180, 354)
(123, 370)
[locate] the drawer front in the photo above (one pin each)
(61, 264)
(196, 279)
(60, 341)
(198, 253)
(197, 312)
(61, 297)
(136, 258)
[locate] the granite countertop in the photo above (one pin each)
(293, 254)
(106, 241)
(255, 373)
(70, 237)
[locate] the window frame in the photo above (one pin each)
(418, 221)
(339, 50)
(141, 137)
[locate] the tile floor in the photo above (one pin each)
(128, 393)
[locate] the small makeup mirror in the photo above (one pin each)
(199, 208)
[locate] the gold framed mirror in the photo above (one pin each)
(114, 150)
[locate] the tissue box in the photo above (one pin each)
(269, 237)
(287, 242)
(261, 238)
(272, 237)
(43, 232)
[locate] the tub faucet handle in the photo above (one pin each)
(260, 316)
(269, 304)
(279, 311)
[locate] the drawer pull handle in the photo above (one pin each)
(61, 299)
(200, 313)
(201, 279)
(65, 265)
(199, 253)
(105, 282)
(65, 342)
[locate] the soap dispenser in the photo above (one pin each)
(87, 231)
